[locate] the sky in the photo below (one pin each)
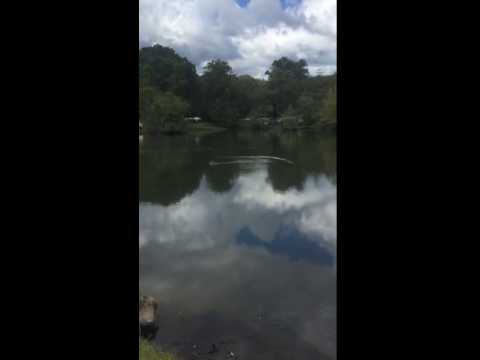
(249, 34)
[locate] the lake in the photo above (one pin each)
(240, 248)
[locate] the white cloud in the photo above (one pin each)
(199, 221)
(249, 38)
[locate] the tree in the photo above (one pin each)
(219, 93)
(169, 112)
(164, 111)
(290, 111)
(308, 109)
(147, 95)
(217, 79)
(164, 70)
(251, 97)
(261, 110)
(329, 111)
(318, 86)
(286, 81)
(221, 97)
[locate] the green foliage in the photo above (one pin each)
(163, 69)
(169, 112)
(261, 123)
(147, 98)
(162, 111)
(286, 81)
(318, 86)
(290, 112)
(252, 97)
(217, 80)
(329, 112)
(219, 93)
(170, 89)
(148, 352)
(263, 110)
(292, 119)
(308, 109)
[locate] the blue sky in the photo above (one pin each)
(292, 3)
(243, 3)
(249, 34)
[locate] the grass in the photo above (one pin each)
(203, 128)
(325, 125)
(148, 352)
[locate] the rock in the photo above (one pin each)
(148, 317)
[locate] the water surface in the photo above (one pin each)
(238, 243)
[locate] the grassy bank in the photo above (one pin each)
(325, 126)
(202, 128)
(148, 352)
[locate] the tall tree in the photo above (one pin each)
(165, 70)
(286, 82)
(252, 96)
(219, 93)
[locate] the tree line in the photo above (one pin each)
(170, 89)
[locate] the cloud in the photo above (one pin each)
(248, 37)
(199, 221)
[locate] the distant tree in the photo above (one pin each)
(160, 110)
(329, 111)
(219, 68)
(286, 81)
(164, 70)
(308, 109)
(262, 110)
(217, 79)
(251, 95)
(318, 86)
(221, 97)
(219, 93)
(147, 96)
(290, 111)
(168, 109)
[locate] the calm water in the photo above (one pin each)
(241, 251)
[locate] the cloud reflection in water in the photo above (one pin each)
(192, 254)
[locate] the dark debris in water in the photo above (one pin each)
(211, 337)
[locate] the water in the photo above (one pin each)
(239, 247)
